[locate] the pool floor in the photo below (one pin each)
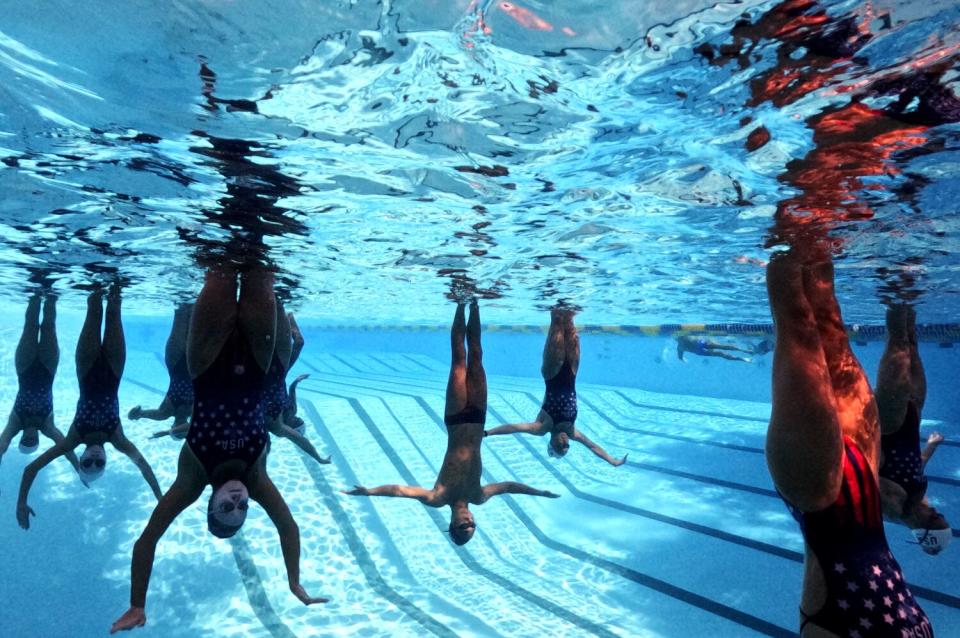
(687, 539)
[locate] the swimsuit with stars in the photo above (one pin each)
(901, 456)
(560, 399)
(180, 390)
(34, 401)
(98, 409)
(867, 596)
(275, 389)
(228, 422)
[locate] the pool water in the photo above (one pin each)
(686, 539)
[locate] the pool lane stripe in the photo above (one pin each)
(929, 594)
(673, 591)
(462, 554)
(362, 557)
(249, 574)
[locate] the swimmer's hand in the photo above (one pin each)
(325, 460)
(304, 597)
(935, 438)
(160, 434)
(131, 619)
(300, 378)
(24, 512)
(135, 412)
(358, 490)
(620, 462)
(548, 494)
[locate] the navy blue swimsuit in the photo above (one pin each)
(275, 389)
(560, 398)
(867, 596)
(228, 422)
(901, 456)
(98, 410)
(34, 401)
(180, 390)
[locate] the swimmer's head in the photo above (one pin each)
(227, 509)
(29, 440)
(462, 525)
(934, 534)
(933, 541)
(295, 422)
(93, 461)
(559, 444)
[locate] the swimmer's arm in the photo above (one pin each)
(30, 472)
(534, 427)
(892, 499)
(161, 413)
(297, 338)
(185, 490)
(512, 487)
(404, 491)
(50, 431)
(599, 451)
(179, 430)
(7, 435)
(265, 493)
(123, 444)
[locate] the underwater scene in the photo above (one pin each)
(479, 318)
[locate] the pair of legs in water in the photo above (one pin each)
(901, 394)
(458, 482)
(36, 361)
(823, 451)
(100, 363)
(229, 350)
(558, 415)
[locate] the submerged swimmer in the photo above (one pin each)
(458, 484)
(823, 448)
(36, 360)
(561, 360)
(229, 350)
(97, 421)
(708, 348)
(178, 402)
(901, 393)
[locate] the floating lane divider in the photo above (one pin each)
(946, 334)
(249, 574)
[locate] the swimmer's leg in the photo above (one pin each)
(571, 341)
(476, 376)
(457, 381)
(27, 346)
(258, 313)
(176, 347)
(804, 443)
(555, 349)
(114, 344)
(88, 344)
(213, 319)
(856, 408)
(284, 345)
(49, 349)
(893, 376)
(297, 338)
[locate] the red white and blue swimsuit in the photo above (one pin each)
(867, 596)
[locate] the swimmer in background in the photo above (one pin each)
(229, 349)
(290, 409)
(823, 452)
(276, 401)
(558, 414)
(901, 393)
(704, 347)
(36, 361)
(458, 484)
(100, 365)
(178, 402)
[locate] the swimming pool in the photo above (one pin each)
(687, 539)
(635, 161)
